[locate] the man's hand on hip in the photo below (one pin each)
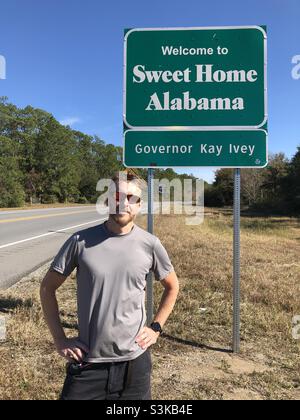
(146, 338)
(71, 349)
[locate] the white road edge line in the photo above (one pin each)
(49, 233)
(43, 210)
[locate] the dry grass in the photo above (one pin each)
(43, 206)
(192, 360)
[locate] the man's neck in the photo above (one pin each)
(114, 227)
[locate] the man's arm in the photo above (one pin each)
(71, 349)
(147, 336)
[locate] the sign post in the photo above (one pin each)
(150, 229)
(236, 261)
(197, 97)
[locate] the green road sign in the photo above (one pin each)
(161, 148)
(195, 77)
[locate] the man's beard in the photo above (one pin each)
(122, 219)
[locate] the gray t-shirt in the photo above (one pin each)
(111, 281)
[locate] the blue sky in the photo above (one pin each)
(66, 56)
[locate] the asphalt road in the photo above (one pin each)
(31, 238)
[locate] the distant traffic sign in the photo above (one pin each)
(238, 148)
(195, 77)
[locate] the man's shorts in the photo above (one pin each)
(129, 380)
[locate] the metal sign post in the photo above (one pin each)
(236, 261)
(150, 230)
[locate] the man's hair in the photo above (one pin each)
(128, 177)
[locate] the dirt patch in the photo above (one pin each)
(241, 366)
(242, 394)
(202, 366)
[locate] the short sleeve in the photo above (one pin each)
(161, 265)
(66, 259)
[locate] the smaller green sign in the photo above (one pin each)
(226, 149)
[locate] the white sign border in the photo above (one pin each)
(196, 128)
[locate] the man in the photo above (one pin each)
(110, 359)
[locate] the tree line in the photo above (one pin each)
(45, 162)
(42, 161)
(274, 189)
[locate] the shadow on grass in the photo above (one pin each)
(69, 325)
(9, 304)
(194, 344)
(260, 214)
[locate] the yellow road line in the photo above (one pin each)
(44, 216)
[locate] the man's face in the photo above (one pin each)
(124, 202)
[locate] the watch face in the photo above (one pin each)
(156, 327)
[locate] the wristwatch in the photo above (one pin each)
(155, 326)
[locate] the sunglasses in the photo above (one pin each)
(132, 199)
